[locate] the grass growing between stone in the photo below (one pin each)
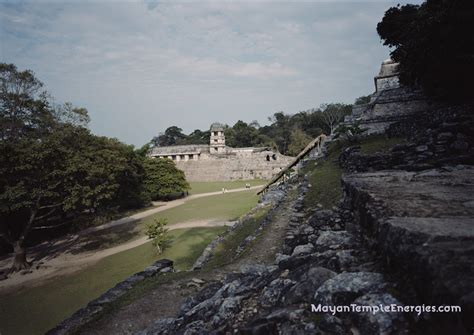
(379, 143)
(225, 252)
(35, 310)
(216, 186)
(325, 175)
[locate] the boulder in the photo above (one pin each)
(383, 323)
(333, 240)
(344, 288)
(303, 249)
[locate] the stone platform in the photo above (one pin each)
(423, 225)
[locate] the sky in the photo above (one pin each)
(142, 66)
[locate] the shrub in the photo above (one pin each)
(158, 233)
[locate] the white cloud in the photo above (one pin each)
(140, 67)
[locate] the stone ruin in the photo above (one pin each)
(391, 102)
(218, 162)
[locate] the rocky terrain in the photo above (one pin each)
(402, 234)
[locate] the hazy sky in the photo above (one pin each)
(139, 67)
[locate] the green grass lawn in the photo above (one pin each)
(35, 310)
(228, 206)
(214, 186)
(225, 207)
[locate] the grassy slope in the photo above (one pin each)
(219, 207)
(225, 251)
(226, 206)
(325, 175)
(215, 186)
(35, 310)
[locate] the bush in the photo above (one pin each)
(163, 180)
(158, 233)
(351, 133)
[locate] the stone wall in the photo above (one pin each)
(94, 308)
(242, 165)
(386, 83)
(389, 106)
(421, 222)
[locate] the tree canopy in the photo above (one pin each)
(286, 133)
(163, 180)
(434, 44)
(52, 167)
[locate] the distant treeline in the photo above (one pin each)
(288, 134)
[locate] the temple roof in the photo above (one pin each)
(179, 149)
(216, 126)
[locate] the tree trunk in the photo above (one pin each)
(19, 262)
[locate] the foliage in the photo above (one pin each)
(434, 44)
(351, 133)
(52, 167)
(298, 141)
(363, 100)
(171, 136)
(163, 179)
(286, 133)
(333, 114)
(196, 137)
(158, 234)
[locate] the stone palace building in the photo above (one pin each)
(218, 162)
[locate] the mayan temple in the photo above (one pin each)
(218, 162)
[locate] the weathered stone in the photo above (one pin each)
(445, 136)
(422, 225)
(304, 290)
(332, 325)
(348, 286)
(375, 323)
(286, 314)
(228, 308)
(421, 148)
(303, 249)
(161, 326)
(280, 258)
(207, 292)
(333, 240)
(272, 293)
(260, 327)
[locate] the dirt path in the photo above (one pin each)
(166, 300)
(64, 256)
(162, 207)
(68, 263)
